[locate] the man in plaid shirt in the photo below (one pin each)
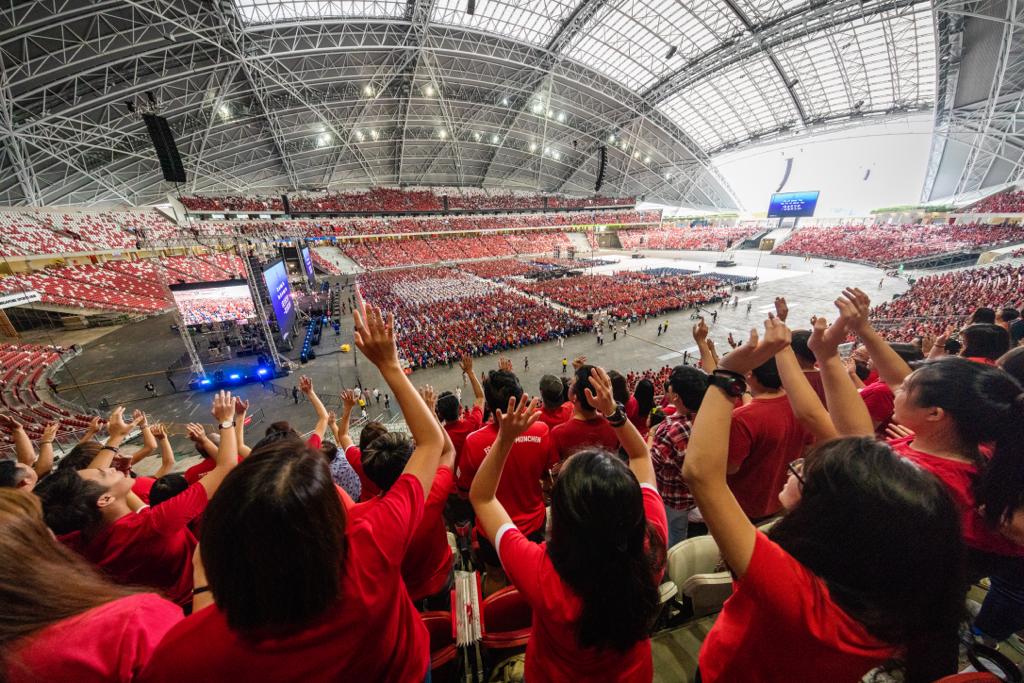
(685, 390)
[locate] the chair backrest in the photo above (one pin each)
(442, 642)
(507, 619)
(697, 555)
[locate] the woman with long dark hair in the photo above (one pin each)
(60, 620)
(865, 567)
(593, 586)
(301, 591)
(640, 405)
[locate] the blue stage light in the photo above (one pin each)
(205, 382)
(261, 372)
(234, 375)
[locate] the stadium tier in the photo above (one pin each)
(1009, 201)
(704, 238)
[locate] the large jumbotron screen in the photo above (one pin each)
(276, 277)
(214, 302)
(307, 265)
(792, 204)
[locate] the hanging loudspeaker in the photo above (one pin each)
(166, 150)
(603, 152)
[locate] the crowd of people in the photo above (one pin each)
(411, 251)
(1010, 201)
(938, 303)
(232, 203)
(892, 244)
(314, 558)
(436, 199)
(697, 237)
(628, 294)
(444, 314)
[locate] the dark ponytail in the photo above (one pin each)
(602, 547)
(987, 405)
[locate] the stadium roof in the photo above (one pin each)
(277, 95)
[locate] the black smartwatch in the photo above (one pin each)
(732, 383)
(618, 418)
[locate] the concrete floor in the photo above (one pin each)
(117, 365)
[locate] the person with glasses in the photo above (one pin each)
(865, 567)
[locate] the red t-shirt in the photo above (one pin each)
(881, 402)
(764, 438)
(959, 478)
(141, 486)
(152, 547)
(201, 469)
(428, 561)
(463, 427)
(108, 643)
(633, 413)
(553, 653)
(368, 489)
(814, 379)
(575, 435)
(780, 624)
(519, 489)
(553, 418)
(371, 633)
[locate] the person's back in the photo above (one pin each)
(587, 428)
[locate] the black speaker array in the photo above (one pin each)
(284, 203)
(603, 152)
(166, 150)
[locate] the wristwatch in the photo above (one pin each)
(226, 425)
(732, 383)
(618, 418)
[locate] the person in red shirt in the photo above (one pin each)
(353, 453)
(640, 405)
(805, 357)
(893, 587)
(587, 428)
(427, 567)
(984, 343)
(448, 409)
(62, 620)
(520, 492)
(555, 409)
(764, 438)
(593, 587)
(300, 592)
(95, 513)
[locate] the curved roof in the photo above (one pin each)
(275, 95)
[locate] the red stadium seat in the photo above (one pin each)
(507, 620)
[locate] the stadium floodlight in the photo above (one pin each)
(537, 107)
(647, 159)
(374, 134)
(533, 146)
(561, 117)
(504, 101)
(442, 133)
(368, 90)
(428, 90)
(495, 139)
(611, 138)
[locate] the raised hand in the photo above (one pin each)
(117, 427)
(332, 421)
(854, 307)
(756, 351)
(159, 432)
(305, 385)
(732, 341)
(466, 363)
(241, 407)
(50, 431)
(95, 425)
(601, 397)
(140, 418)
(374, 335)
(825, 339)
(700, 331)
(196, 433)
(429, 396)
(504, 364)
(578, 362)
(517, 418)
(348, 397)
(9, 423)
(781, 308)
(223, 406)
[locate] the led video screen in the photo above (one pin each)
(276, 277)
(792, 204)
(307, 264)
(214, 302)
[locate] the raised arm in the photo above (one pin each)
(466, 363)
(348, 402)
(148, 441)
(630, 439)
(375, 337)
(95, 425)
(223, 412)
(803, 399)
(117, 431)
(518, 417)
(448, 452)
(306, 387)
(845, 406)
(891, 368)
(166, 452)
(45, 462)
(23, 449)
(241, 409)
(700, 335)
(707, 454)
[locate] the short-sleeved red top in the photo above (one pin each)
(553, 653)
(463, 427)
(108, 643)
(371, 633)
(781, 625)
(574, 435)
(553, 418)
(152, 547)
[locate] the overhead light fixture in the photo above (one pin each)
(442, 133)
(504, 101)
(636, 155)
(428, 90)
(324, 139)
(533, 146)
(495, 139)
(561, 117)
(550, 114)
(537, 107)
(359, 135)
(224, 110)
(374, 134)
(476, 136)
(611, 138)
(668, 176)
(368, 90)
(647, 160)
(557, 155)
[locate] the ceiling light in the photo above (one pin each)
(557, 155)
(533, 146)
(504, 101)
(374, 134)
(495, 139)
(324, 139)
(428, 90)
(647, 160)
(668, 176)
(476, 136)
(550, 114)
(636, 155)
(561, 117)
(611, 138)
(537, 107)
(368, 90)
(442, 133)
(359, 135)
(225, 111)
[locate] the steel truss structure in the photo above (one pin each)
(979, 118)
(267, 96)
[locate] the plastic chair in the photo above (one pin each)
(442, 642)
(507, 619)
(691, 567)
